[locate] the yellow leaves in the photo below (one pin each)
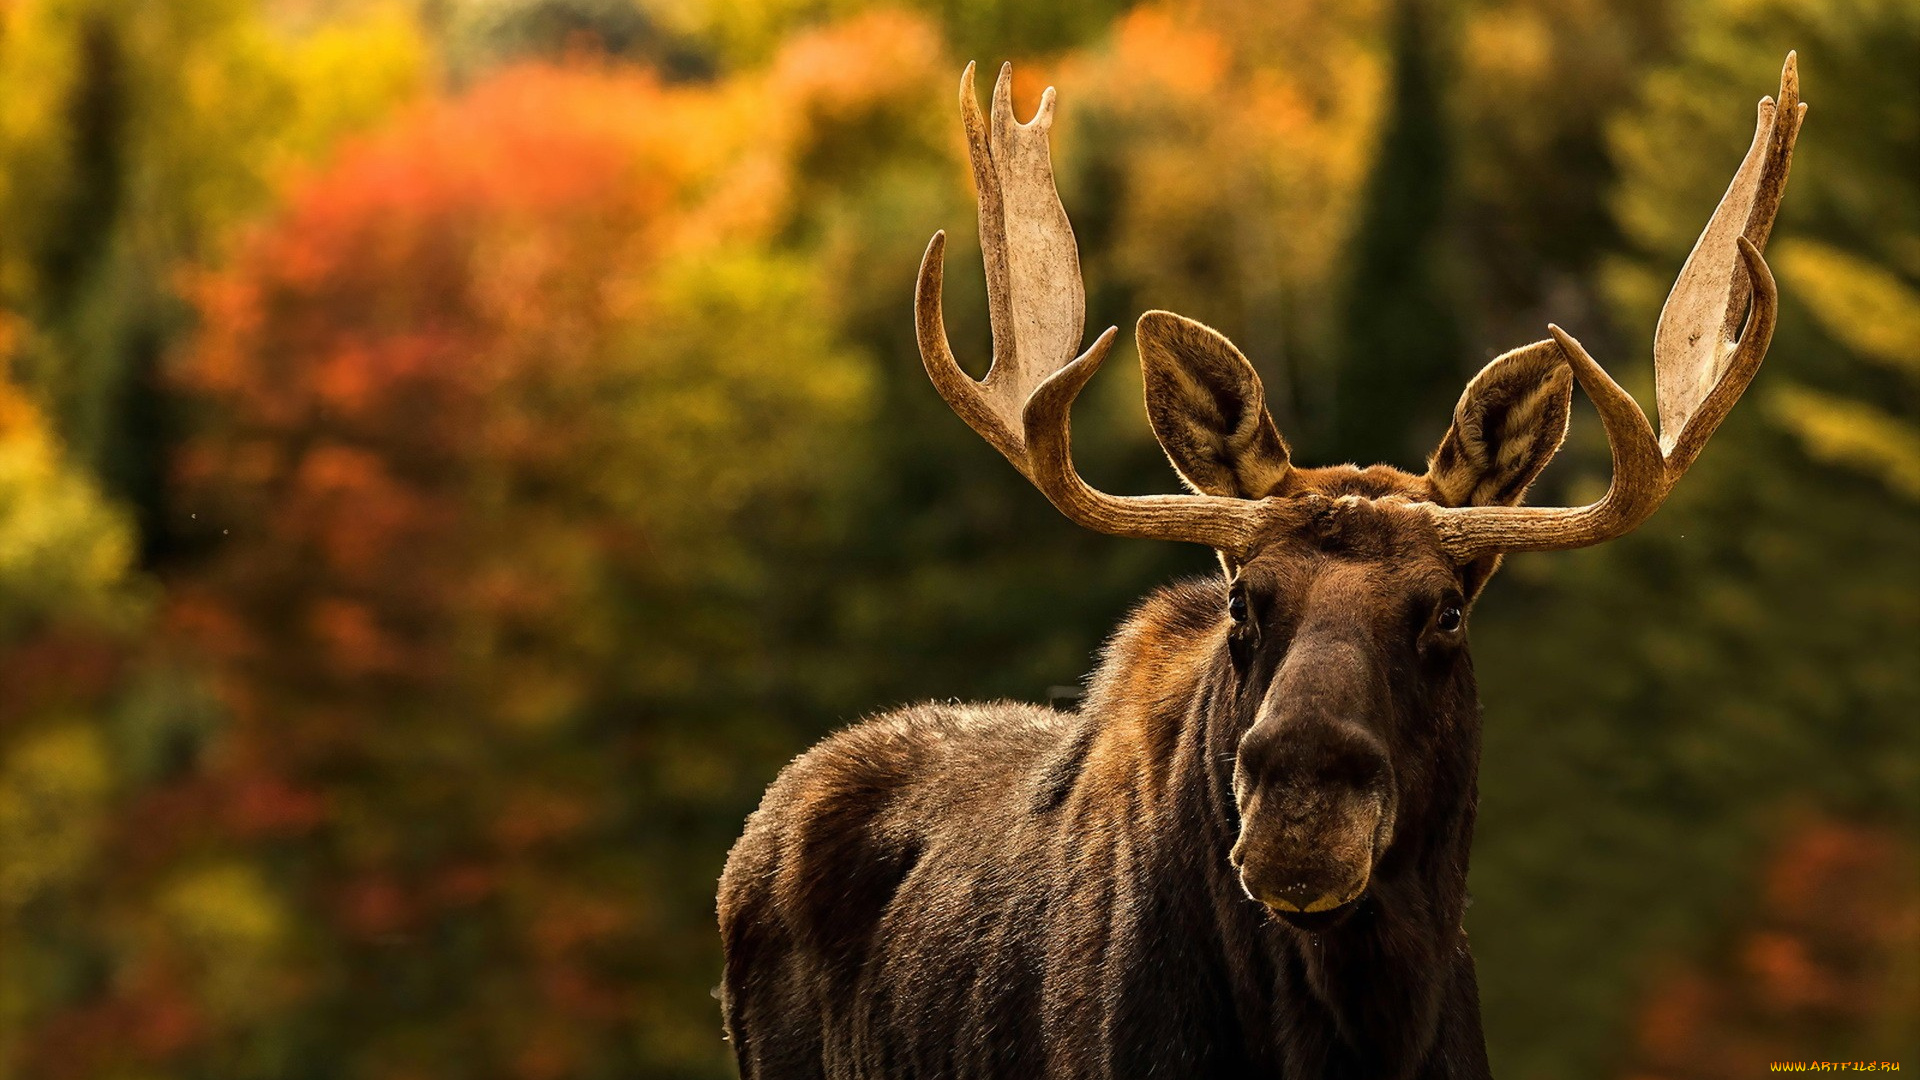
(1510, 48)
(219, 101)
(54, 787)
(348, 74)
(63, 547)
(743, 389)
(1852, 434)
(1873, 313)
(223, 909)
(232, 928)
(1864, 306)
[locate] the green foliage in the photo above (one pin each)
(1869, 310)
(1742, 661)
(1401, 336)
(746, 31)
(131, 137)
(486, 33)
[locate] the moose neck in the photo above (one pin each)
(1371, 988)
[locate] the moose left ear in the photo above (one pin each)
(1208, 409)
(1508, 425)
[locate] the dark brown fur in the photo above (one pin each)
(1244, 856)
(1004, 890)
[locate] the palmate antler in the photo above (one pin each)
(1037, 304)
(1700, 366)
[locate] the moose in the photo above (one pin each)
(1245, 853)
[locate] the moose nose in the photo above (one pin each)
(1316, 755)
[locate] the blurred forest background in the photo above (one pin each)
(453, 452)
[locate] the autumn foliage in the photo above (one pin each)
(437, 397)
(449, 463)
(1821, 971)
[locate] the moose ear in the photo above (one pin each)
(1208, 409)
(1508, 425)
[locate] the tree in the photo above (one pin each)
(1822, 969)
(1739, 662)
(496, 425)
(71, 612)
(1401, 341)
(134, 136)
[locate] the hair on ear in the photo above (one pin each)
(1510, 422)
(1208, 409)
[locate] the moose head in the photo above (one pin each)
(1348, 588)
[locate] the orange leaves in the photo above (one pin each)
(1841, 899)
(1252, 239)
(1817, 974)
(263, 805)
(1167, 54)
(474, 413)
(527, 143)
(874, 61)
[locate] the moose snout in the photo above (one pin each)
(1313, 817)
(1307, 862)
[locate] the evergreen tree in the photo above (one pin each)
(1401, 349)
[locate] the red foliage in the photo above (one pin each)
(1815, 976)
(55, 669)
(148, 1021)
(381, 351)
(398, 382)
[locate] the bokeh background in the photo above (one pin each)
(453, 452)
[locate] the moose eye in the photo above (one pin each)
(1237, 606)
(1449, 619)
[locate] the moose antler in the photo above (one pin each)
(1700, 366)
(1037, 306)
(1703, 357)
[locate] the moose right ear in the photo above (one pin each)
(1208, 409)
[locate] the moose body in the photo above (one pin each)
(1004, 890)
(1245, 854)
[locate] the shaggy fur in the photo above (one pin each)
(1007, 891)
(1244, 856)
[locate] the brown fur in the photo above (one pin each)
(1245, 855)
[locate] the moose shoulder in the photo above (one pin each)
(1246, 853)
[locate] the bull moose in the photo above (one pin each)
(1245, 853)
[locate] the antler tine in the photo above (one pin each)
(1695, 359)
(1035, 301)
(1037, 306)
(1225, 524)
(1639, 482)
(958, 389)
(1700, 368)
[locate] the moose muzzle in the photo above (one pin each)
(1314, 785)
